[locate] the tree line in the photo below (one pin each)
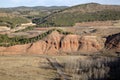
(18, 40)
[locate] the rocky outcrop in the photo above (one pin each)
(70, 43)
(89, 44)
(113, 42)
(37, 47)
(55, 43)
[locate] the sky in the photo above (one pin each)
(15, 3)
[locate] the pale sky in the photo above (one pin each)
(15, 3)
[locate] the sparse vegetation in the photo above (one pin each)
(93, 68)
(80, 13)
(26, 29)
(25, 67)
(69, 19)
(6, 41)
(12, 22)
(101, 65)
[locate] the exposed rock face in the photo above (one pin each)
(56, 42)
(37, 47)
(2, 48)
(70, 43)
(113, 42)
(89, 44)
(17, 49)
(53, 43)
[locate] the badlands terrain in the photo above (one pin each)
(60, 43)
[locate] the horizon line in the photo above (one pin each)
(56, 5)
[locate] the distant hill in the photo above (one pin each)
(80, 13)
(25, 8)
(11, 18)
(14, 16)
(30, 12)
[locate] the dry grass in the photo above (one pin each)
(25, 68)
(96, 23)
(35, 67)
(90, 68)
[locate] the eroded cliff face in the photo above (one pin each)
(55, 43)
(113, 42)
(89, 44)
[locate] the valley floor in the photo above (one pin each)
(19, 67)
(48, 67)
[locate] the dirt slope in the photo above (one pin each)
(113, 42)
(55, 43)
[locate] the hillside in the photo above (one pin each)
(80, 13)
(51, 42)
(23, 8)
(14, 16)
(29, 11)
(113, 42)
(56, 41)
(12, 20)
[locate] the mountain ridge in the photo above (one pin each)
(34, 7)
(81, 13)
